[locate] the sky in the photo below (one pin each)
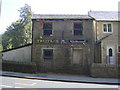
(9, 8)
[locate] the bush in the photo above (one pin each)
(104, 70)
(25, 67)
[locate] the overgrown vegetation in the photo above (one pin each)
(14, 66)
(1, 48)
(19, 33)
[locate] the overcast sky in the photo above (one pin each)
(9, 8)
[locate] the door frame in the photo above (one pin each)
(113, 54)
(108, 47)
(44, 61)
(72, 50)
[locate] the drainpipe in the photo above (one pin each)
(95, 41)
(96, 30)
(62, 34)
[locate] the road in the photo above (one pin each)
(12, 82)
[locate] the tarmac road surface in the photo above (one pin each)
(12, 82)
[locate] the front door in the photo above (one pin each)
(48, 60)
(78, 57)
(110, 55)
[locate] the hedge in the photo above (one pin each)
(104, 70)
(25, 67)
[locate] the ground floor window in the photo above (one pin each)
(48, 54)
(110, 52)
(119, 49)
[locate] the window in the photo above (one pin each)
(119, 49)
(47, 29)
(110, 52)
(48, 54)
(107, 28)
(78, 29)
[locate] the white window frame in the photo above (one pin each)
(113, 53)
(107, 28)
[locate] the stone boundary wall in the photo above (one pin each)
(104, 70)
(22, 54)
(14, 66)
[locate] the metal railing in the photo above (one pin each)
(110, 60)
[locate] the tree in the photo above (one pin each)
(19, 33)
(1, 48)
(25, 19)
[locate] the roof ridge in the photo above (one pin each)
(62, 14)
(104, 15)
(103, 11)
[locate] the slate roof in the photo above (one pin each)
(105, 15)
(60, 16)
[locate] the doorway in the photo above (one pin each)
(110, 55)
(78, 57)
(48, 59)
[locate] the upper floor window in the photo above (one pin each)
(78, 29)
(107, 28)
(47, 29)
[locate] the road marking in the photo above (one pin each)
(27, 84)
(9, 86)
(18, 87)
(6, 86)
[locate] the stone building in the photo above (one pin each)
(71, 43)
(63, 43)
(106, 34)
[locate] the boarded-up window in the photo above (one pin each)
(48, 54)
(47, 29)
(78, 57)
(78, 29)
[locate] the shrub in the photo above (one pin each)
(26, 67)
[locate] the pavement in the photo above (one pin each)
(63, 78)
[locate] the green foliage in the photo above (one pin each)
(1, 48)
(19, 33)
(14, 66)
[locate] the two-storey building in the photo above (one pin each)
(72, 43)
(63, 43)
(106, 34)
